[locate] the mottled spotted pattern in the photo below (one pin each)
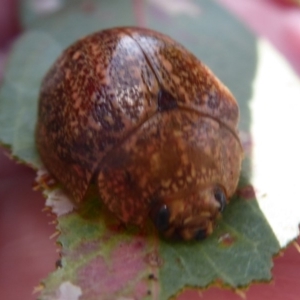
(187, 156)
(135, 109)
(187, 79)
(98, 91)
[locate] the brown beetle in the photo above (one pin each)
(134, 111)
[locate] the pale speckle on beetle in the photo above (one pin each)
(137, 112)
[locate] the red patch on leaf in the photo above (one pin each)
(247, 192)
(84, 249)
(124, 271)
(226, 240)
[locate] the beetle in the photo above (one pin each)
(133, 111)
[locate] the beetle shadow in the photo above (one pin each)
(92, 210)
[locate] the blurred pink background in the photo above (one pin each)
(26, 252)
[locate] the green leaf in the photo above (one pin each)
(102, 258)
(31, 57)
(98, 256)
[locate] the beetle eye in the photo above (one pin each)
(221, 198)
(200, 235)
(161, 218)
